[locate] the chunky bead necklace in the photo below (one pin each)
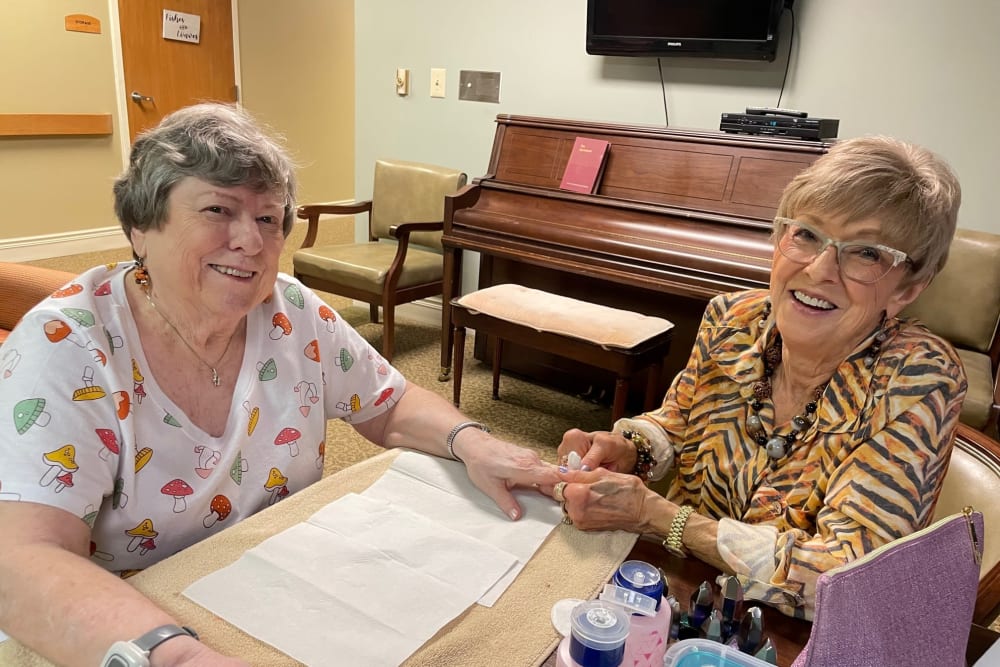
(777, 446)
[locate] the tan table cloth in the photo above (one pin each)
(515, 631)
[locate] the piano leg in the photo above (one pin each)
(459, 335)
(451, 288)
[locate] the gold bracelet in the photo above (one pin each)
(674, 544)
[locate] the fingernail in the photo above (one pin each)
(585, 468)
(513, 514)
(563, 469)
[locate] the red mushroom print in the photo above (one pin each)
(141, 532)
(386, 397)
(64, 480)
(327, 315)
(289, 436)
(312, 350)
(282, 326)
(218, 510)
(178, 489)
(94, 553)
(109, 440)
(146, 546)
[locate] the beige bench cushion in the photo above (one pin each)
(979, 399)
(542, 311)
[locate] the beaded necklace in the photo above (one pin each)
(777, 445)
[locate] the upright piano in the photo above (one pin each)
(678, 217)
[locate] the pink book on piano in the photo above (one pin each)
(585, 165)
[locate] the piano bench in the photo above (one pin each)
(620, 341)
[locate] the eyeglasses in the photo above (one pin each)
(862, 262)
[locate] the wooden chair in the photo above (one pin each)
(407, 205)
(973, 478)
(963, 306)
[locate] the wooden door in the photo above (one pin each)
(173, 73)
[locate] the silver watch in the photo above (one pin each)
(135, 653)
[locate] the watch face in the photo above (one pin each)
(116, 661)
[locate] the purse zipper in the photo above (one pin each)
(967, 511)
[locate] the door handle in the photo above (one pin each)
(139, 98)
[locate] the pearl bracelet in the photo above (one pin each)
(450, 440)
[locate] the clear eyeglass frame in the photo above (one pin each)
(847, 268)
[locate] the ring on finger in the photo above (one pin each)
(566, 520)
(557, 492)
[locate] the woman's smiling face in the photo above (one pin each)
(818, 309)
(217, 252)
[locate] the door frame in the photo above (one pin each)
(121, 102)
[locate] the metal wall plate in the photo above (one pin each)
(479, 86)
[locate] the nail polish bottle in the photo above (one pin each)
(597, 636)
(639, 588)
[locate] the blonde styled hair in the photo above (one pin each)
(909, 189)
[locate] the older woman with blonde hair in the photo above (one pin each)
(812, 423)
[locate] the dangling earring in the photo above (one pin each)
(876, 347)
(766, 314)
(141, 274)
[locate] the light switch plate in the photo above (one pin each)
(437, 82)
(402, 81)
(479, 86)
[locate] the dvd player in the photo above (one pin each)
(780, 125)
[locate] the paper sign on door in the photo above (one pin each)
(181, 27)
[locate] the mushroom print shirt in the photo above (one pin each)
(866, 471)
(84, 427)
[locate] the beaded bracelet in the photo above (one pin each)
(450, 440)
(644, 460)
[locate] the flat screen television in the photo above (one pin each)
(729, 29)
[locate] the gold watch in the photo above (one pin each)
(674, 544)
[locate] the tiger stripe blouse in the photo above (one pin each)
(868, 470)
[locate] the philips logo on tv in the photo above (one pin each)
(675, 44)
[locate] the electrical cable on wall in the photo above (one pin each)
(788, 59)
(663, 88)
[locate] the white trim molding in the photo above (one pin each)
(44, 246)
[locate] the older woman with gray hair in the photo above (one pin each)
(812, 423)
(161, 400)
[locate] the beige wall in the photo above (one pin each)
(297, 68)
(55, 185)
(297, 74)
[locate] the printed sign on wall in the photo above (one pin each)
(182, 27)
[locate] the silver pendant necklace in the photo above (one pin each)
(215, 374)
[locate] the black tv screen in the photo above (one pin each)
(733, 29)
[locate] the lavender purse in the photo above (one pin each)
(909, 602)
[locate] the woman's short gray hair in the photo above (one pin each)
(909, 189)
(217, 143)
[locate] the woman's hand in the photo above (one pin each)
(599, 449)
(605, 500)
(496, 466)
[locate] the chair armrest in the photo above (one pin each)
(402, 232)
(311, 212)
(404, 229)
